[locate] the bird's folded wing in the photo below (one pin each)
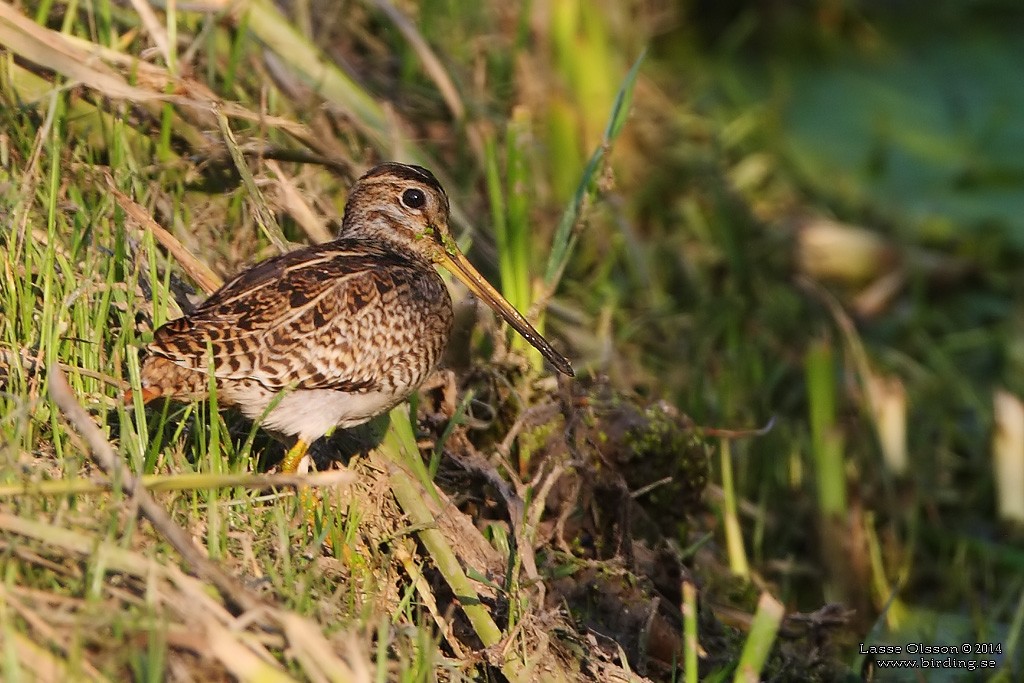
(311, 321)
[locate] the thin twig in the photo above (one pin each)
(197, 270)
(178, 482)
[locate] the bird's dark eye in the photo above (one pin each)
(414, 199)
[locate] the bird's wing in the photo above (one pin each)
(311, 319)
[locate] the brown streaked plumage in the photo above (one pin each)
(345, 330)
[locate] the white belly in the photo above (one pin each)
(311, 413)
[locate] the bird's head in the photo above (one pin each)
(405, 205)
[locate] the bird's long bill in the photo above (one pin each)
(464, 270)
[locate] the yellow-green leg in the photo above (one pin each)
(294, 456)
(307, 498)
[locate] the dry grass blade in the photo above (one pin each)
(153, 26)
(430, 61)
(1008, 454)
(242, 662)
(316, 655)
(415, 573)
(196, 269)
(53, 51)
(264, 217)
(298, 208)
(104, 455)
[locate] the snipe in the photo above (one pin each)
(345, 330)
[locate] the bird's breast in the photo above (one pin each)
(404, 331)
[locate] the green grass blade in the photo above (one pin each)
(826, 437)
(691, 644)
(565, 234)
(760, 640)
(730, 516)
